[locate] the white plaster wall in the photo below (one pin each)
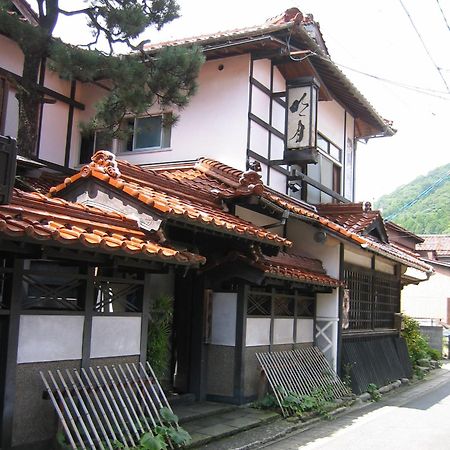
(349, 158)
(278, 116)
(214, 124)
(11, 56)
(115, 336)
(258, 219)
(223, 329)
(260, 104)
(331, 120)
(276, 147)
(49, 338)
(302, 236)
(261, 71)
(384, 265)
(259, 139)
(429, 298)
(54, 82)
(283, 331)
(279, 83)
(258, 332)
(277, 181)
(12, 114)
(357, 257)
(305, 330)
(53, 132)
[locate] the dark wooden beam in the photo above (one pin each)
(44, 90)
(265, 125)
(267, 91)
(73, 88)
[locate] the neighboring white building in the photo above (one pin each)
(430, 301)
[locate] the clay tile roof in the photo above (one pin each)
(37, 218)
(350, 215)
(298, 268)
(347, 220)
(188, 197)
(440, 243)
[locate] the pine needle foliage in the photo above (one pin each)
(136, 80)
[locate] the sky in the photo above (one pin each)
(380, 38)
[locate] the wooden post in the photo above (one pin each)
(15, 294)
(239, 356)
(146, 304)
(88, 314)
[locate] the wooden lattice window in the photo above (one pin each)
(305, 305)
(118, 295)
(386, 300)
(52, 285)
(283, 305)
(259, 303)
(359, 283)
(374, 298)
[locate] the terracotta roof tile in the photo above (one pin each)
(39, 218)
(347, 220)
(298, 268)
(177, 198)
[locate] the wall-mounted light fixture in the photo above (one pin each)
(301, 121)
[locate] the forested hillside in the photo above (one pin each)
(422, 206)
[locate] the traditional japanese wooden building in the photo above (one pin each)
(75, 291)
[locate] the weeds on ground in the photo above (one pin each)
(374, 393)
(319, 402)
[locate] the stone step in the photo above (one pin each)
(180, 399)
(188, 412)
(209, 430)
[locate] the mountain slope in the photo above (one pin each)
(429, 200)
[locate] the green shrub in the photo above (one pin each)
(374, 393)
(418, 347)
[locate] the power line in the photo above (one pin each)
(424, 45)
(423, 194)
(419, 89)
(443, 15)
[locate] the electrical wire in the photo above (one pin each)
(419, 89)
(443, 15)
(424, 45)
(423, 194)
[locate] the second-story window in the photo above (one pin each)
(327, 171)
(146, 133)
(149, 133)
(96, 141)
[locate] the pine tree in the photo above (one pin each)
(136, 80)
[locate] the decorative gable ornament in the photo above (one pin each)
(301, 121)
(102, 161)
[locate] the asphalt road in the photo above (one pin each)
(416, 417)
